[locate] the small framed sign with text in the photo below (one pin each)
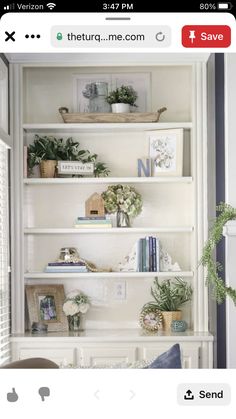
(75, 168)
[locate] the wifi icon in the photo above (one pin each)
(51, 5)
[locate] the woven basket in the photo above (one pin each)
(48, 168)
(168, 317)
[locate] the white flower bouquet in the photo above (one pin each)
(122, 198)
(76, 303)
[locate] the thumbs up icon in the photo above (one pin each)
(13, 396)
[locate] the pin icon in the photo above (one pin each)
(13, 396)
(44, 392)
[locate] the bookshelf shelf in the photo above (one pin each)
(169, 274)
(107, 180)
(135, 230)
(108, 127)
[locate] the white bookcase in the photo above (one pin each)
(174, 208)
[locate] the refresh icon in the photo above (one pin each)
(160, 36)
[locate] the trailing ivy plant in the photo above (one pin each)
(220, 290)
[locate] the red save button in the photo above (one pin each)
(206, 36)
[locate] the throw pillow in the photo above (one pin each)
(169, 359)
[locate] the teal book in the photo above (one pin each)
(144, 255)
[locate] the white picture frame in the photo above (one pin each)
(141, 82)
(166, 152)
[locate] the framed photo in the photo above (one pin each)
(166, 152)
(150, 319)
(45, 305)
(139, 81)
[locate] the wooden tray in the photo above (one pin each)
(135, 117)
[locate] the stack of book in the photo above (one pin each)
(63, 267)
(148, 254)
(93, 222)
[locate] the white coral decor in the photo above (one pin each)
(76, 302)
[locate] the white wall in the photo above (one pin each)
(230, 137)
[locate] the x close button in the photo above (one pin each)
(10, 36)
(206, 36)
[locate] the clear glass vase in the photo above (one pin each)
(123, 219)
(74, 322)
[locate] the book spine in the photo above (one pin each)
(140, 256)
(136, 266)
(157, 255)
(154, 262)
(64, 270)
(147, 254)
(150, 254)
(78, 222)
(90, 218)
(144, 255)
(93, 226)
(66, 264)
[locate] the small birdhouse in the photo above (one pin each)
(94, 206)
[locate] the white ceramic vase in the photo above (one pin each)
(120, 107)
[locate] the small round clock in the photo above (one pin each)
(150, 319)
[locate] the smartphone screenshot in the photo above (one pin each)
(117, 210)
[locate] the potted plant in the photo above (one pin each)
(43, 151)
(123, 200)
(169, 296)
(46, 151)
(121, 98)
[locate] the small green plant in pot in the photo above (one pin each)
(122, 98)
(48, 150)
(169, 296)
(43, 152)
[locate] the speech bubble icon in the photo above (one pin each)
(44, 392)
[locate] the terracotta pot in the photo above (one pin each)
(168, 317)
(48, 168)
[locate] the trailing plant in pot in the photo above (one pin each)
(122, 98)
(169, 296)
(219, 290)
(123, 200)
(49, 148)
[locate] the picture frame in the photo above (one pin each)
(150, 319)
(45, 304)
(166, 152)
(141, 82)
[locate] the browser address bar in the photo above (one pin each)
(111, 37)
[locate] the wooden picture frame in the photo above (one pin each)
(45, 304)
(166, 152)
